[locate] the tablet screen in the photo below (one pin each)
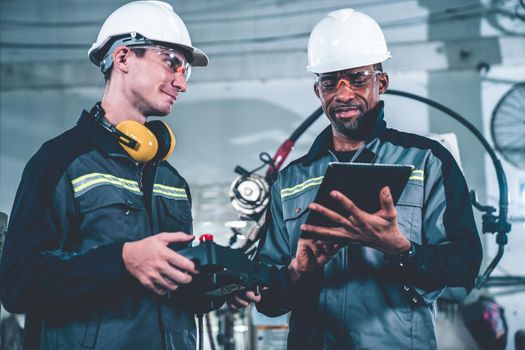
(361, 183)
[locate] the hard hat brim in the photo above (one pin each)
(348, 63)
(195, 57)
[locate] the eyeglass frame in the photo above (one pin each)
(345, 78)
(169, 52)
(130, 40)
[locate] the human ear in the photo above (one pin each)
(383, 83)
(120, 58)
(316, 90)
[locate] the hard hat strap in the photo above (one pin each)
(131, 39)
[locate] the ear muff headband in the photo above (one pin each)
(98, 113)
(141, 143)
(165, 138)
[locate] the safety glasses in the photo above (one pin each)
(172, 60)
(353, 80)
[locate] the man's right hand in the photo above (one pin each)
(311, 255)
(156, 266)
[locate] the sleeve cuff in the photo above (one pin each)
(404, 260)
(407, 263)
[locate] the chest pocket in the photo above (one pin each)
(111, 215)
(409, 211)
(295, 212)
(174, 214)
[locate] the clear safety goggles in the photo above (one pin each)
(171, 59)
(353, 80)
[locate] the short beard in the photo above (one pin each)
(351, 128)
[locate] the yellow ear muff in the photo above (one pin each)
(164, 137)
(147, 144)
(173, 141)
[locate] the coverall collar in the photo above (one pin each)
(106, 143)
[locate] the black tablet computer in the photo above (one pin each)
(361, 183)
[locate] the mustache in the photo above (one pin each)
(347, 106)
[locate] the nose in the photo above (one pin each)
(343, 81)
(342, 94)
(179, 82)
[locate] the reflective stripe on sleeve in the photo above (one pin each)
(418, 175)
(169, 192)
(316, 181)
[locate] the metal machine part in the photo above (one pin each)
(249, 194)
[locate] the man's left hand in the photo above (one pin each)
(240, 300)
(379, 230)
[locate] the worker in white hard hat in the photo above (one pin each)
(356, 279)
(91, 255)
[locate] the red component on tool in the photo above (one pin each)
(206, 237)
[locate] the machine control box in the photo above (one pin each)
(224, 270)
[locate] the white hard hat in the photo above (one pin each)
(145, 22)
(345, 39)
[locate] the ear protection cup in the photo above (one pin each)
(165, 138)
(147, 144)
(153, 141)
